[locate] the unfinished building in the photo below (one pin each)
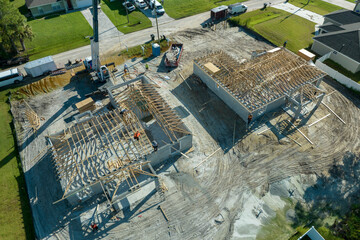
(267, 81)
(100, 153)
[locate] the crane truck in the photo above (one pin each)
(92, 64)
(102, 75)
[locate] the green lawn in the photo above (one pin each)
(58, 34)
(316, 6)
(117, 14)
(15, 214)
(279, 26)
(353, 1)
(184, 8)
(341, 69)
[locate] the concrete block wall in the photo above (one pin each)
(220, 91)
(231, 101)
(166, 151)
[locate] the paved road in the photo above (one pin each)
(140, 37)
(311, 16)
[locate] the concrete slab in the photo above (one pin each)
(342, 3)
(161, 19)
(107, 29)
(311, 16)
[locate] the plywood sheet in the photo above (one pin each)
(211, 67)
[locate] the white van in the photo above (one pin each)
(237, 8)
(10, 76)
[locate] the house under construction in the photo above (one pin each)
(100, 154)
(267, 81)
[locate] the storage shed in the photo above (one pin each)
(40, 66)
(219, 13)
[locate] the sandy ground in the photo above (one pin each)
(236, 191)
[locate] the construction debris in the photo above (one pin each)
(32, 117)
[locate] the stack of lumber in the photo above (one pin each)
(86, 105)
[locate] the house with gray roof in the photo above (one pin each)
(42, 7)
(340, 35)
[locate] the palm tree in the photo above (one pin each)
(25, 32)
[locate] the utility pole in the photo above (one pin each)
(95, 39)
(127, 12)
(157, 26)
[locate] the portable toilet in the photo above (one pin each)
(156, 49)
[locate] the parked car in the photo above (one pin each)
(237, 8)
(140, 3)
(14, 61)
(130, 7)
(158, 7)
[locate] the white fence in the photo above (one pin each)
(335, 74)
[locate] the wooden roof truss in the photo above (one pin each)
(145, 97)
(99, 149)
(261, 80)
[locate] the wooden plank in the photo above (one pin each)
(207, 157)
(319, 120)
(333, 112)
(301, 133)
(85, 103)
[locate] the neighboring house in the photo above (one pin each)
(42, 7)
(340, 34)
(312, 234)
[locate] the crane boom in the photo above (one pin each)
(95, 39)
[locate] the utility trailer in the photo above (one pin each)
(40, 66)
(219, 13)
(172, 57)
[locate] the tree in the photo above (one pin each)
(25, 32)
(13, 27)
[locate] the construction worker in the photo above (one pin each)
(122, 112)
(250, 118)
(155, 145)
(94, 227)
(126, 68)
(137, 135)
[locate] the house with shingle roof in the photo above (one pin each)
(340, 35)
(42, 7)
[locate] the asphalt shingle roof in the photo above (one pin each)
(346, 42)
(328, 27)
(344, 16)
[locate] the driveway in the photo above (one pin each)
(311, 16)
(106, 28)
(161, 19)
(342, 3)
(139, 37)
